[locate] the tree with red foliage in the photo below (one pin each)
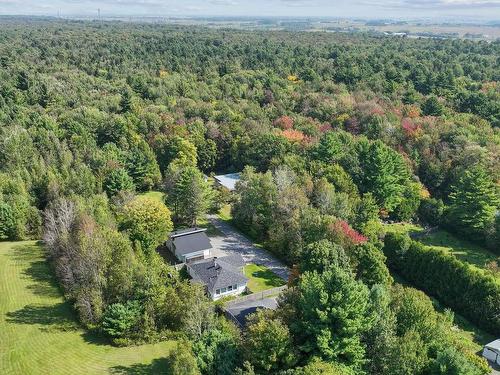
(283, 122)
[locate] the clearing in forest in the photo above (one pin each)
(38, 330)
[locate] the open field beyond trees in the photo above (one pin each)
(38, 330)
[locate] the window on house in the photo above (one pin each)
(223, 290)
(217, 291)
(229, 288)
(235, 286)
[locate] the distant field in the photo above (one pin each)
(38, 331)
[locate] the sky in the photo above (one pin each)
(404, 9)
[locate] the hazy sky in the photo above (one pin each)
(488, 9)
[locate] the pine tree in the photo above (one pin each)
(474, 202)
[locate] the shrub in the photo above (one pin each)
(469, 291)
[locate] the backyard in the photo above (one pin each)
(261, 278)
(37, 325)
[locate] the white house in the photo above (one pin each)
(491, 351)
(221, 277)
(190, 245)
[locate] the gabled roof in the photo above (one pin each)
(494, 345)
(219, 273)
(190, 240)
(228, 180)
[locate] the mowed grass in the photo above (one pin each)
(464, 250)
(156, 195)
(38, 330)
(261, 278)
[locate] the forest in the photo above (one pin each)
(335, 135)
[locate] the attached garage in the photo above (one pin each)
(491, 351)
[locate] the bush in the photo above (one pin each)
(469, 291)
(431, 211)
(121, 320)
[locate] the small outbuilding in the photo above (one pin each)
(491, 351)
(227, 181)
(189, 245)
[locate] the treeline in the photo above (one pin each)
(467, 290)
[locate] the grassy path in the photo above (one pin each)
(38, 332)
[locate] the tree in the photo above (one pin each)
(120, 320)
(474, 202)
(181, 361)
(217, 350)
(118, 180)
(322, 255)
(147, 221)
(189, 195)
(384, 174)
(371, 265)
(268, 344)
(432, 107)
(331, 316)
(7, 222)
(126, 101)
(142, 166)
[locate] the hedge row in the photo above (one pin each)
(465, 289)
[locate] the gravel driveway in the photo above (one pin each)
(234, 242)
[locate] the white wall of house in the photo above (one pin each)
(491, 355)
(233, 292)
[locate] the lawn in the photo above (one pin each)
(261, 278)
(38, 331)
(156, 195)
(462, 249)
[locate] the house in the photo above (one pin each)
(227, 181)
(491, 351)
(221, 276)
(190, 245)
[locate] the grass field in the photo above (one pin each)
(38, 331)
(157, 195)
(462, 249)
(261, 278)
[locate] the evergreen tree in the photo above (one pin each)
(331, 316)
(474, 202)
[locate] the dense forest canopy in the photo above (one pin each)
(335, 135)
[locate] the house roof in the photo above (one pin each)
(219, 273)
(190, 240)
(228, 180)
(494, 345)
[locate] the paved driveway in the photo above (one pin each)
(234, 242)
(242, 309)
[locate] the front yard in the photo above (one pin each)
(261, 278)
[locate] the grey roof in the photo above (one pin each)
(494, 345)
(190, 240)
(218, 273)
(228, 180)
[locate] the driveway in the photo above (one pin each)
(233, 242)
(242, 309)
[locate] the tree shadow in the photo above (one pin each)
(157, 366)
(45, 283)
(51, 317)
(269, 278)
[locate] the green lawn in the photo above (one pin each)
(462, 249)
(225, 213)
(157, 195)
(261, 278)
(38, 331)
